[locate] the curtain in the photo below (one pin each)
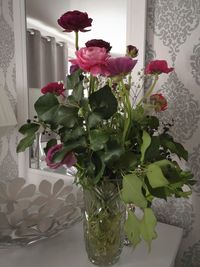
(46, 59)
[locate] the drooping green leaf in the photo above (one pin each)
(155, 176)
(46, 107)
(98, 139)
(29, 128)
(103, 102)
(132, 228)
(146, 143)
(66, 116)
(74, 79)
(50, 143)
(25, 143)
(147, 226)
(167, 142)
(132, 191)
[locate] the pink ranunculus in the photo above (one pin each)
(120, 66)
(158, 67)
(159, 101)
(92, 59)
(68, 160)
(75, 21)
(54, 88)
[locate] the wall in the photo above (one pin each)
(173, 33)
(8, 157)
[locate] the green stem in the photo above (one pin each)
(148, 93)
(76, 41)
(92, 84)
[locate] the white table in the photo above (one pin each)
(67, 250)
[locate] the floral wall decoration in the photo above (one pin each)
(173, 30)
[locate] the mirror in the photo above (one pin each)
(48, 48)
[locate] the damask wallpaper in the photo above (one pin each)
(173, 33)
(8, 157)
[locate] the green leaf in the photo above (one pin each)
(132, 229)
(155, 176)
(71, 134)
(25, 142)
(153, 152)
(59, 156)
(147, 226)
(29, 128)
(103, 102)
(127, 161)
(132, 191)
(93, 119)
(98, 139)
(66, 116)
(99, 167)
(46, 107)
(138, 114)
(146, 143)
(73, 80)
(167, 142)
(50, 143)
(113, 151)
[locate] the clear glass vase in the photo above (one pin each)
(103, 223)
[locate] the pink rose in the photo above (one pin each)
(68, 160)
(157, 67)
(159, 101)
(120, 66)
(92, 59)
(54, 88)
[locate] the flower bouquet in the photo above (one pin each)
(122, 153)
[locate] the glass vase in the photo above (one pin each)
(103, 223)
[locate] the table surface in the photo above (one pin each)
(67, 250)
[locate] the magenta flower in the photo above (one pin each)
(158, 67)
(54, 88)
(120, 66)
(99, 43)
(69, 160)
(92, 59)
(75, 21)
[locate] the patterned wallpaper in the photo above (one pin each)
(8, 157)
(173, 33)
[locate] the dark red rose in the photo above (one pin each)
(159, 101)
(158, 67)
(74, 21)
(54, 88)
(99, 43)
(131, 51)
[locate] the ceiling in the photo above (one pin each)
(109, 18)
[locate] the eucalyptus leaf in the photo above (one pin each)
(146, 143)
(155, 176)
(132, 228)
(147, 226)
(132, 191)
